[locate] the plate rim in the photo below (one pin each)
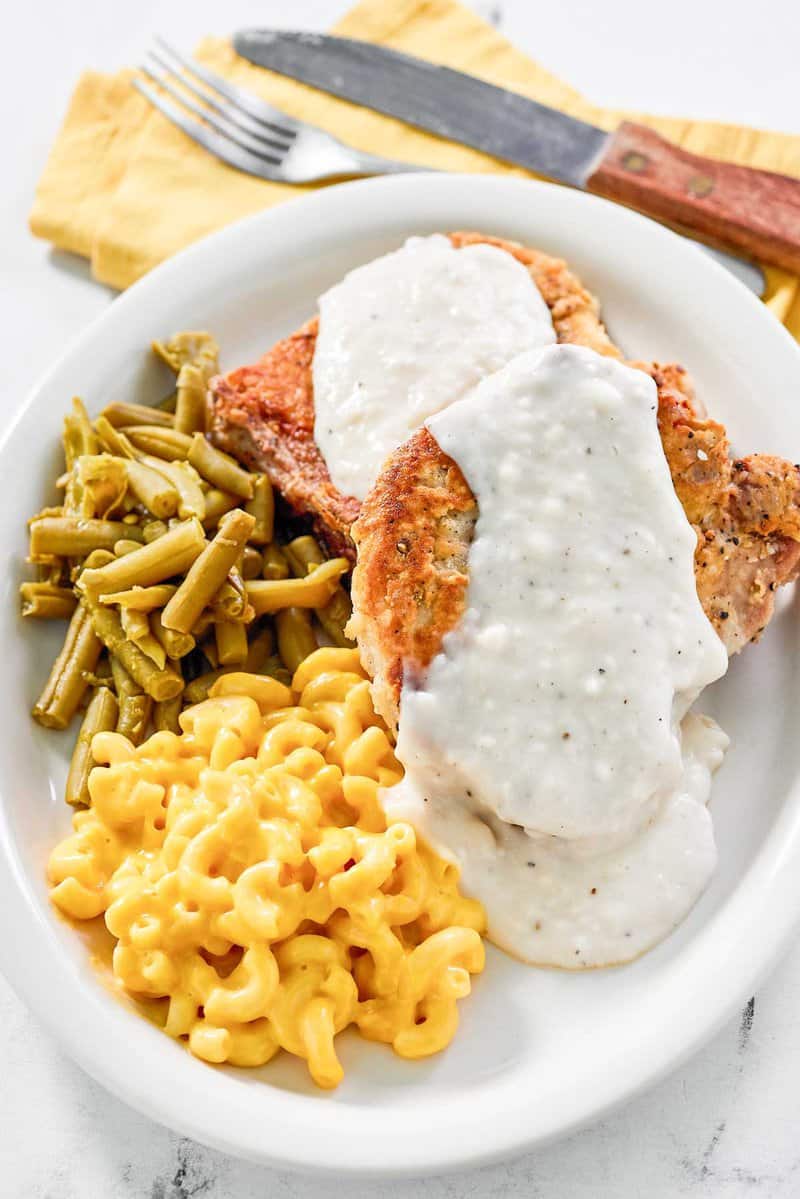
(770, 872)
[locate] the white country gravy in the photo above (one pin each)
(407, 334)
(544, 748)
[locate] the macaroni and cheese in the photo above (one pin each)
(248, 874)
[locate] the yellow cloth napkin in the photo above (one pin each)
(126, 189)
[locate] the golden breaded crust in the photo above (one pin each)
(413, 535)
(264, 414)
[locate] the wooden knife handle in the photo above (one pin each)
(756, 213)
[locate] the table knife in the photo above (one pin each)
(752, 212)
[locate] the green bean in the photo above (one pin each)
(190, 410)
(252, 563)
(304, 554)
(313, 591)
(102, 481)
(276, 669)
(275, 564)
(218, 469)
(47, 601)
(259, 650)
(70, 537)
(217, 504)
(296, 638)
(166, 713)
(100, 717)
(186, 481)
(144, 599)
(231, 641)
(114, 440)
(196, 691)
(153, 529)
(176, 645)
(134, 716)
(121, 415)
(262, 507)
(198, 348)
(208, 648)
(136, 627)
(67, 683)
(162, 443)
(160, 684)
(79, 436)
(208, 572)
(170, 554)
(153, 489)
(135, 707)
(125, 546)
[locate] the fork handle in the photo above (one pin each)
(373, 164)
(739, 208)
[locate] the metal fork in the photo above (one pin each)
(247, 132)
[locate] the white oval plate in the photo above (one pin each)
(538, 1052)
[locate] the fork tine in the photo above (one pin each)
(222, 147)
(253, 106)
(222, 123)
(240, 119)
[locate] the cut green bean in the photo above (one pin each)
(153, 490)
(166, 713)
(304, 555)
(136, 628)
(170, 554)
(135, 707)
(114, 440)
(296, 638)
(153, 529)
(144, 599)
(67, 683)
(196, 347)
(160, 442)
(100, 717)
(47, 601)
(125, 546)
(134, 717)
(102, 481)
(252, 563)
(190, 410)
(259, 649)
(231, 643)
(274, 667)
(159, 683)
(186, 481)
(176, 645)
(121, 415)
(276, 565)
(262, 507)
(217, 504)
(79, 436)
(196, 691)
(70, 537)
(312, 591)
(218, 469)
(208, 572)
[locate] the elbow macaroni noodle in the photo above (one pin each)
(249, 877)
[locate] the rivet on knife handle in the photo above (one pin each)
(755, 212)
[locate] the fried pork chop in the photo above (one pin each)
(264, 414)
(415, 528)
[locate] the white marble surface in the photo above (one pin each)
(724, 1125)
